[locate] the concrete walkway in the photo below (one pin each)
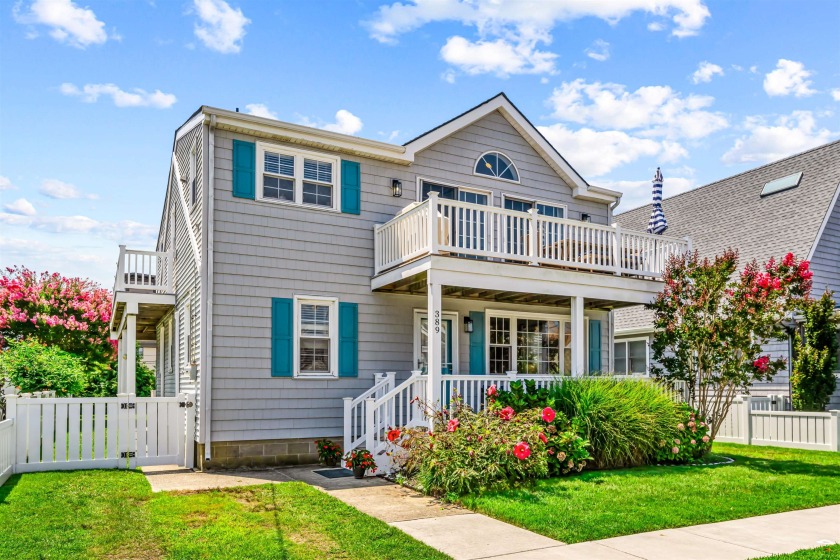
(465, 535)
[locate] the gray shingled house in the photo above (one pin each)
(790, 205)
(296, 269)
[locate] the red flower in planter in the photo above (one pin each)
(543, 438)
(548, 414)
(452, 425)
(506, 413)
(521, 450)
(393, 435)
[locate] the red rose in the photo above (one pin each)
(506, 413)
(548, 414)
(522, 451)
(393, 435)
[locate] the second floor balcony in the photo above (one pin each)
(481, 232)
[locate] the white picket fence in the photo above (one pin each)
(756, 425)
(47, 434)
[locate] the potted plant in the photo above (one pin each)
(329, 452)
(360, 461)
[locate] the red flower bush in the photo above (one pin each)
(360, 458)
(492, 391)
(393, 434)
(507, 413)
(762, 363)
(521, 450)
(548, 414)
(452, 425)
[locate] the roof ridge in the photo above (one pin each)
(786, 158)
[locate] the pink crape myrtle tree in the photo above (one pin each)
(72, 314)
(711, 323)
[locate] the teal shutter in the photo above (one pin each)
(477, 340)
(348, 339)
(282, 332)
(351, 187)
(244, 169)
(594, 346)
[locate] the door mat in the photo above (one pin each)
(334, 473)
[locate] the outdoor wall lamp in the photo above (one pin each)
(585, 218)
(396, 187)
(468, 325)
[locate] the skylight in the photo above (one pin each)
(781, 184)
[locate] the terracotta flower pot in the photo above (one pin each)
(359, 472)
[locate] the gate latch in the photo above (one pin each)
(128, 406)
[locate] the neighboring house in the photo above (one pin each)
(787, 206)
(293, 264)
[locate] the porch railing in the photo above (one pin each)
(149, 271)
(355, 410)
(480, 231)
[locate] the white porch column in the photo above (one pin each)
(435, 340)
(120, 365)
(130, 353)
(578, 337)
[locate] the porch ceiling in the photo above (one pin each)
(516, 283)
(150, 308)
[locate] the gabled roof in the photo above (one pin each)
(501, 103)
(731, 212)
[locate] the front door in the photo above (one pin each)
(421, 344)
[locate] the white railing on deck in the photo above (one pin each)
(476, 230)
(400, 407)
(144, 270)
(355, 409)
(805, 430)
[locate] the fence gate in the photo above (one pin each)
(100, 433)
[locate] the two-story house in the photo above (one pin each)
(294, 264)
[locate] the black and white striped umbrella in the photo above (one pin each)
(657, 224)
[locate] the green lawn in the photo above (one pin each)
(114, 514)
(602, 504)
(831, 552)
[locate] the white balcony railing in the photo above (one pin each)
(149, 271)
(479, 231)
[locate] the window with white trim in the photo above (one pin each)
(316, 336)
(497, 165)
(297, 177)
(530, 343)
(630, 357)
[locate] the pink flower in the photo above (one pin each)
(762, 363)
(452, 425)
(561, 456)
(543, 438)
(492, 391)
(681, 426)
(676, 442)
(506, 413)
(691, 424)
(788, 259)
(693, 442)
(548, 414)
(705, 439)
(522, 451)
(675, 450)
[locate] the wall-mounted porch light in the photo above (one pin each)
(468, 325)
(396, 187)
(585, 218)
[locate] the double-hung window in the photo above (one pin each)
(631, 356)
(530, 343)
(297, 177)
(316, 336)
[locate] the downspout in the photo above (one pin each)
(208, 364)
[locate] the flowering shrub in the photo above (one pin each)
(30, 366)
(328, 451)
(494, 448)
(689, 440)
(360, 458)
(522, 395)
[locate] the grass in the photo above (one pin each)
(602, 504)
(831, 552)
(114, 514)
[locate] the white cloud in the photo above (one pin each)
(137, 97)
(753, 69)
(656, 26)
(600, 51)
(789, 77)
(221, 28)
(788, 135)
(389, 136)
(118, 231)
(705, 72)
(260, 110)
(653, 110)
(595, 153)
(500, 57)
(638, 193)
(6, 184)
(510, 31)
(68, 22)
(20, 207)
(835, 94)
(737, 67)
(345, 123)
(54, 188)
(448, 76)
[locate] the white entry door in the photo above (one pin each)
(449, 343)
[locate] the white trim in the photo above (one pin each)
(188, 126)
(478, 190)
(825, 221)
(625, 341)
(298, 179)
(186, 212)
(454, 317)
(534, 202)
(516, 169)
(333, 336)
(634, 331)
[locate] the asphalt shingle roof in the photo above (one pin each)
(730, 213)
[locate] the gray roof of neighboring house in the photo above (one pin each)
(730, 213)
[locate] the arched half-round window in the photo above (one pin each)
(496, 164)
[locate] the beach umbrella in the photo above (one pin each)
(657, 224)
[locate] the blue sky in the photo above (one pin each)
(91, 92)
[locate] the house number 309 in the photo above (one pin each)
(437, 322)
